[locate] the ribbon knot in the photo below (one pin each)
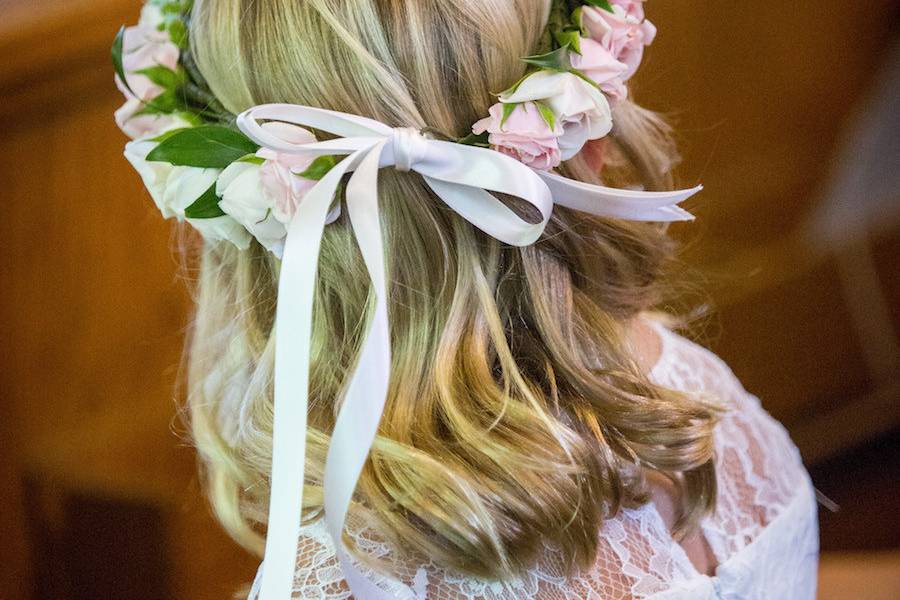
(467, 179)
(409, 146)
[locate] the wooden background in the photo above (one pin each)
(97, 483)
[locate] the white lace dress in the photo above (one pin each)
(764, 531)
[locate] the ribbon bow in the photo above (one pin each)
(462, 177)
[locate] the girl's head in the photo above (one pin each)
(516, 416)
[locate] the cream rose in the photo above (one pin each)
(154, 174)
(580, 108)
(173, 189)
(246, 200)
(184, 186)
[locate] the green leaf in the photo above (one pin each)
(164, 136)
(569, 38)
(206, 206)
(604, 4)
(508, 110)
(252, 159)
(164, 104)
(170, 8)
(117, 49)
(179, 7)
(546, 113)
(319, 168)
(162, 76)
(558, 60)
(193, 118)
(475, 139)
(209, 147)
(578, 19)
(178, 32)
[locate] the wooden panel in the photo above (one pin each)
(760, 97)
(849, 575)
(94, 310)
(759, 94)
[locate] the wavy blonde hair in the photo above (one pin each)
(516, 415)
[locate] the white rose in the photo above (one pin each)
(173, 189)
(222, 228)
(245, 199)
(154, 174)
(184, 187)
(581, 108)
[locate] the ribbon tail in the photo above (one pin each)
(632, 205)
(361, 411)
(293, 328)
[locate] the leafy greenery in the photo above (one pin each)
(117, 48)
(184, 90)
(569, 38)
(557, 60)
(475, 139)
(163, 76)
(206, 206)
(178, 32)
(166, 135)
(319, 168)
(508, 110)
(546, 114)
(252, 159)
(211, 147)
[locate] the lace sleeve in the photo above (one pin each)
(758, 467)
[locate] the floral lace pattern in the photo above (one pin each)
(763, 533)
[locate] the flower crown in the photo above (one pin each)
(198, 167)
(262, 174)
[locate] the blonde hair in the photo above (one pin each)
(516, 416)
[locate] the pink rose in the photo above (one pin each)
(581, 110)
(280, 173)
(633, 8)
(598, 63)
(146, 126)
(145, 46)
(623, 32)
(525, 135)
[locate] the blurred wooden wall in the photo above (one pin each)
(761, 95)
(92, 312)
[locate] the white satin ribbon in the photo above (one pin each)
(463, 177)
